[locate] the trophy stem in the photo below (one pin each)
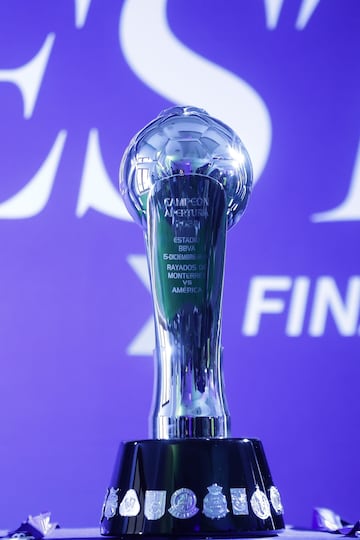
(200, 409)
(186, 238)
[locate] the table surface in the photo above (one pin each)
(94, 533)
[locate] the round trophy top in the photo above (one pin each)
(185, 141)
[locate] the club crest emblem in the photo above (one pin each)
(276, 500)
(183, 504)
(130, 505)
(215, 504)
(260, 504)
(154, 504)
(111, 503)
(239, 501)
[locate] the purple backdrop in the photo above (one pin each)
(77, 79)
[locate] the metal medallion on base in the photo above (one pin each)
(154, 504)
(239, 501)
(111, 503)
(275, 499)
(260, 504)
(183, 504)
(186, 179)
(130, 505)
(215, 504)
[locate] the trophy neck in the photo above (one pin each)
(186, 237)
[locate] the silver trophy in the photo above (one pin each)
(186, 179)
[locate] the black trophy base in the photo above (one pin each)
(192, 487)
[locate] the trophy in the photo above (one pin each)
(186, 179)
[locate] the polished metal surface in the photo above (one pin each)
(186, 179)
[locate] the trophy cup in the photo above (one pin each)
(186, 179)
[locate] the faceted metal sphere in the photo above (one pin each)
(185, 141)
